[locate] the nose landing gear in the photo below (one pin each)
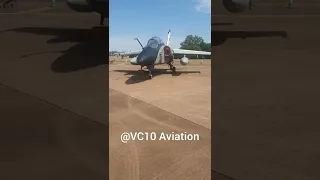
(150, 68)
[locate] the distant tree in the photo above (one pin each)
(195, 43)
(205, 47)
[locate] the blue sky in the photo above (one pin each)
(146, 18)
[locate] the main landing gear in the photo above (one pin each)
(141, 69)
(172, 67)
(151, 69)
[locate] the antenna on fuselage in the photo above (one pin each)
(139, 42)
(168, 40)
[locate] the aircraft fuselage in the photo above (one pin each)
(151, 57)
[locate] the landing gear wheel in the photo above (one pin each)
(173, 69)
(150, 68)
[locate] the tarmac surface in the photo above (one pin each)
(265, 90)
(168, 103)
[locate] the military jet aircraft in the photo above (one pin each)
(156, 52)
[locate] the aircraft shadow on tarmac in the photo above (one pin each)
(92, 48)
(142, 75)
(220, 37)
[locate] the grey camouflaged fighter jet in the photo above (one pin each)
(156, 52)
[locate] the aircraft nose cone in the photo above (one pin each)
(148, 56)
(134, 61)
(142, 59)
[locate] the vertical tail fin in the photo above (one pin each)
(168, 40)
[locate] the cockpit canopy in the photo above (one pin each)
(154, 43)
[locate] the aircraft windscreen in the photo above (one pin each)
(154, 42)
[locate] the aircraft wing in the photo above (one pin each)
(190, 52)
(136, 53)
(176, 51)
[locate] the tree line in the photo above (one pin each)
(195, 43)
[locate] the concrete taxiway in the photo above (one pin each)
(168, 103)
(266, 93)
(53, 97)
